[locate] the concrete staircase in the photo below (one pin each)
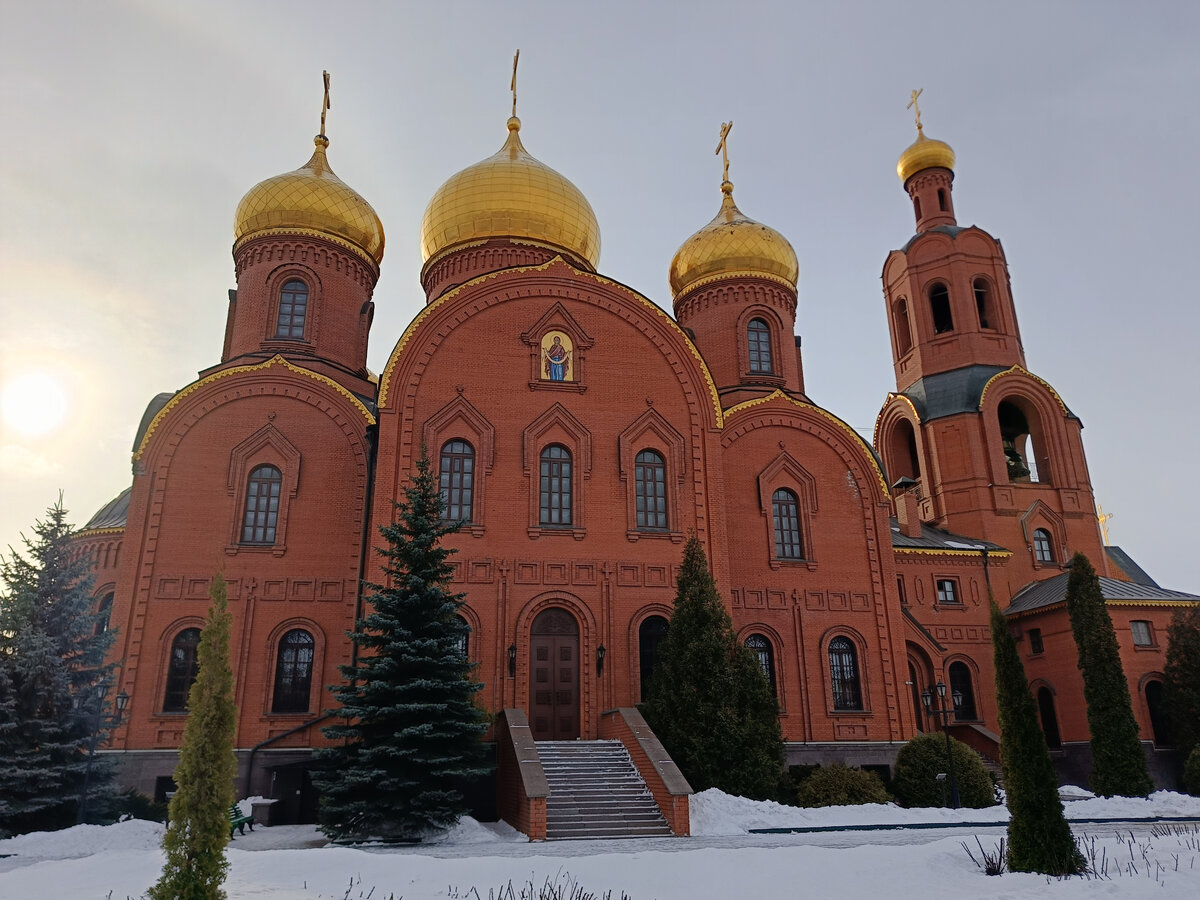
(596, 792)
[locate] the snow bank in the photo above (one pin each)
(84, 840)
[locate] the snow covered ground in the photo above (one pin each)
(721, 861)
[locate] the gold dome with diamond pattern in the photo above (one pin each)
(511, 195)
(733, 244)
(311, 200)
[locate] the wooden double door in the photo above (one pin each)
(554, 676)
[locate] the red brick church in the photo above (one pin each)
(582, 431)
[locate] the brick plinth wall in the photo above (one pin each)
(667, 784)
(521, 787)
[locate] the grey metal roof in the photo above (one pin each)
(1041, 594)
(1125, 563)
(152, 409)
(952, 230)
(949, 393)
(935, 539)
(112, 514)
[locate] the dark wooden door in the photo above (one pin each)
(554, 676)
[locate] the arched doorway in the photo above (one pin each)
(1045, 698)
(1160, 722)
(554, 676)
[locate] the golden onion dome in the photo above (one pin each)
(733, 244)
(924, 153)
(310, 200)
(510, 194)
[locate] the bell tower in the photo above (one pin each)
(988, 448)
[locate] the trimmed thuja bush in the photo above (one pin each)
(923, 758)
(840, 785)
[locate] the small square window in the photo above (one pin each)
(1142, 635)
(1035, 640)
(947, 591)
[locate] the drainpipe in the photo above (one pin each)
(279, 737)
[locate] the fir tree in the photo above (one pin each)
(50, 655)
(411, 727)
(1181, 679)
(1118, 764)
(1039, 838)
(708, 700)
(198, 823)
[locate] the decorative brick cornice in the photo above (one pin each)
(727, 289)
(315, 249)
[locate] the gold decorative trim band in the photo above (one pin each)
(939, 551)
(342, 242)
(1021, 370)
(275, 360)
(96, 532)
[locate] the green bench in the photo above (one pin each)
(238, 821)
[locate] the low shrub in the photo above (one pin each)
(1191, 772)
(923, 758)
(132, 804)
(840, 785)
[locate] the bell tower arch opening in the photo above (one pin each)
(1023, 438)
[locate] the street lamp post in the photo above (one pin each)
(943, 712)
(98, 723)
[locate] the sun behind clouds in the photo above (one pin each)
(33, 403)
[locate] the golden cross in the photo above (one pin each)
(325, 102)
(723, 147)
(513, 86)
(912, 104)
(1103, 518)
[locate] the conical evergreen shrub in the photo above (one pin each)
(1039, 838)
(1118, 764)
(198, 822)
(708, 700)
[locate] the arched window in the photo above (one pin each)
(983, 303)
(1043, 550)
(942, 199)
(293, 305)
(555, 488)
(103, 611)
(843, 674)
(457, 480)
(758, 335)
(903, 329)
(785, 509)
(293, 672)
(1160, 722)
(1045, 698)
(1024, 449)
(651, 633)
(181, 670)
(650, 477)
(761, 647)
(262, 505)
(960, 682)
(464, 640)
(939, 306)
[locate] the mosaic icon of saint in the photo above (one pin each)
(556, 357)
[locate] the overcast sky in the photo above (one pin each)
(132, 129)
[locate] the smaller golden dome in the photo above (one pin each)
(924, 153)
(510, 194)
(732, 244)
(310, 199)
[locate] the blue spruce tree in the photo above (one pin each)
(410, 728)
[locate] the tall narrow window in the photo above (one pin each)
(181, 670)
(1042, 548)
(903, 329)
(293, 306)
(555, 486)
(939, 307)
(650, 476)
(942, 199)
(651, 633)
(758, 335)
(103, 611)
(464, 640)
(960, 683)
(843, 674)
(761, 647)
(262, 506)
(983, 302)
(1036, 644)
(293, 672)
(457, 480)
(785, 509)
